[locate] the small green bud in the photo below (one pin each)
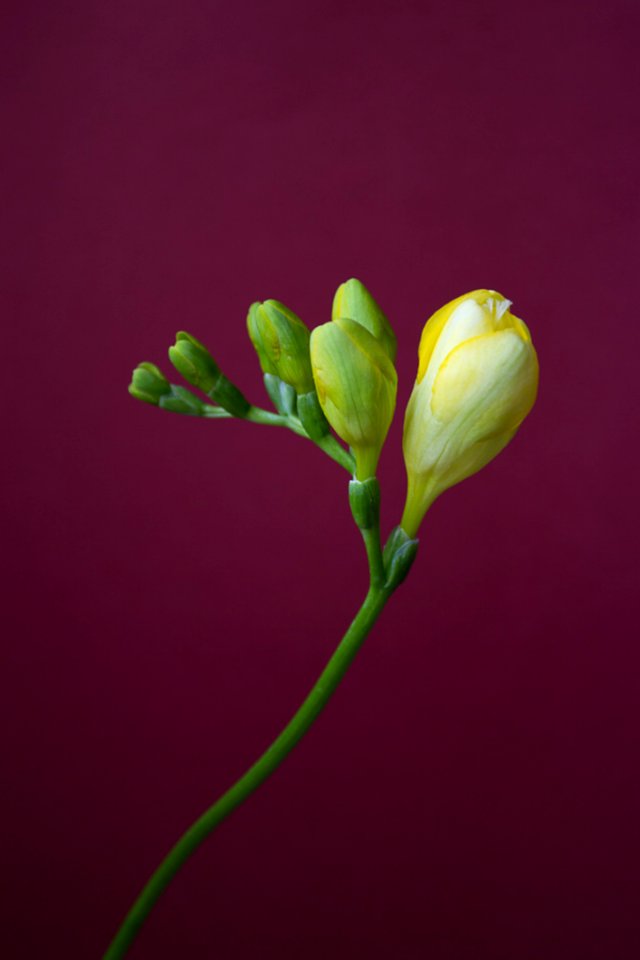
(281, 394)
(364, 500)
(182, 401)
(311, 416)
(398, 556)
(192, 359)
(149, 384)
(281, 341)
(354, 301)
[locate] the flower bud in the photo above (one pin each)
(149, 384)
(354, 301)
(356, 384)
(281, 340)
(477, 380)
(192, 359)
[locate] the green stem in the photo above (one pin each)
(371, 539)
(258, 415)
(258, 773)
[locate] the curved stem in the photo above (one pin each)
(257, 774)
(371, 539)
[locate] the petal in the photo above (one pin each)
(490, 381)
(436, 324)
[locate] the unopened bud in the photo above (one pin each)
(192, 359)
(149, 384)
(281, 340)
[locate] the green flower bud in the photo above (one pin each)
(354, 301)
(149, 384)
(281, 341)
(356, 384)
(192, 359)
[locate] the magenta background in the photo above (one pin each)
(174, 586)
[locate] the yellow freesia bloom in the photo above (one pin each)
(477, 380)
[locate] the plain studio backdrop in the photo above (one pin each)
(173, 586)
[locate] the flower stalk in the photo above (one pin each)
(477, 380)
(324, 688)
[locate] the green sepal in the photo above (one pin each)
(181, 400)
(364, 500)
(148, 384)
(227, 395)
(312, 416)
(281, 394)
(398, 556)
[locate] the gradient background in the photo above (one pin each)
(174, 586)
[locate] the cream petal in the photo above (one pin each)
(491, 378)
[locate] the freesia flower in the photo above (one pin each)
(477, 380)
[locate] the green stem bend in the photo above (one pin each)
(258, 773)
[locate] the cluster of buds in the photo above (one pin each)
(477, 380)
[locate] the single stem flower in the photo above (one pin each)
(476, 382)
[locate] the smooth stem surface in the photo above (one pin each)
(268, 762)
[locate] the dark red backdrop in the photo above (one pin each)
(173, 586)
